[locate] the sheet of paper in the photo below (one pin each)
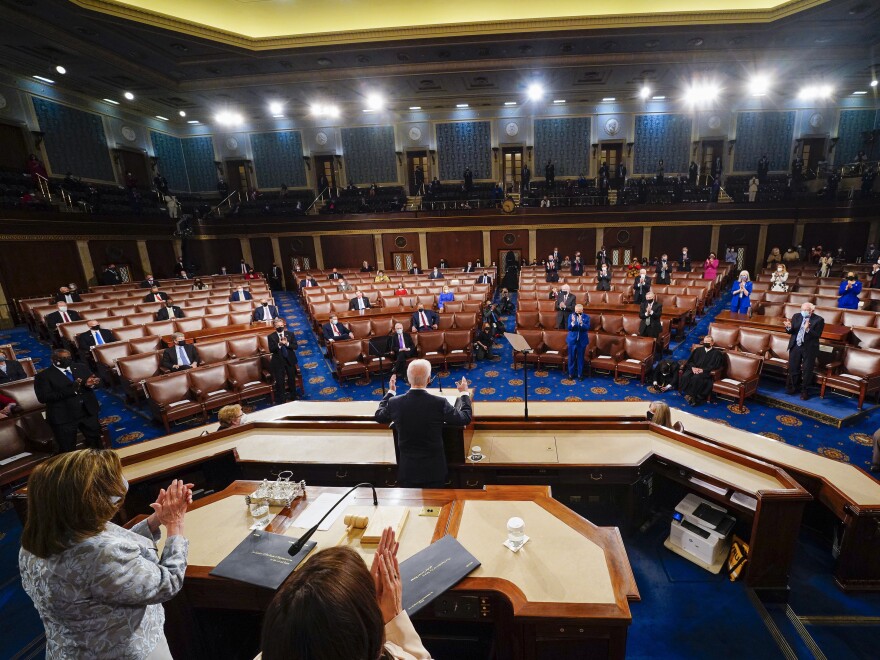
(310, 517)
(12, 459)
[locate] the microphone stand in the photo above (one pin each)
(297, 545)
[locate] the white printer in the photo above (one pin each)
(702, 529)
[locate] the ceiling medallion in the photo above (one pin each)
(128, 133)
(714, 122)
(321, 138)
(415, 133)
(512, 128)
(816, 120)
(612, 127)
(231, 143)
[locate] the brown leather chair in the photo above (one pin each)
(527, 320)
(752, 341)
(832, 316)
(465, 320)
(689, 303)
(431, 346)
(217, 309)
(105, 360)
(472, 306)
(170, 399)
(348, 359)
(614, 297)
(458, 347)
(216, 321)
(740, 379)
(546, 305)
(554, 349)
(126, 310)
(612, 324)
(453, 306)
(391, 302)
(772, 310)
(607, 351)
(445, 321)
(134, 370)
(858, 373)
(547, 320)
(527, 305)
(866, 337)
(373, 363)
(535, 339)
(631, 324)
(726, 336)
(12, 443)
(212, 352)
(159, 328)
(854, 318)
(128, 332)
(360, 328)
(25, 396)
(776, 356)
(637, 357)
(383, 327)
(242, 347)
(428, 300)
(777, 297)
(211, 386)
(319, 309)
(148, 344)
(189, 325)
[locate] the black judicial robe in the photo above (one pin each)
(700, 385)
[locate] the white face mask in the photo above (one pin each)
(115, 499)
(400, 331)
(62, 309)
(806, 315)
(243, 419)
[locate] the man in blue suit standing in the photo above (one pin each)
(578, 327)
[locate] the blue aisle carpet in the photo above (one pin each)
(717, 616)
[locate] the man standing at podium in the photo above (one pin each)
(418, 417)
(578, 327)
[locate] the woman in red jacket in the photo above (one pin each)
(710, 267)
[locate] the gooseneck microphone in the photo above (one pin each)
(297, 545)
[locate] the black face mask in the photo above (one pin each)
(63, 363)
(851, 279)
(96, 328)
(649, 415)
(265, 304)
(182, 342)
(279, 328)
(707, 346)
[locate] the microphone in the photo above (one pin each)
(297, 545)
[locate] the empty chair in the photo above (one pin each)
(753, 342)
(614, 297)
(472, 306)
(348, 359)
(527, 320)
(465, 320)
(216, 321)
(240, 317)
(606, 352)
(105, 360)
(23, 393)
(866, 337)
(211, 386)
(740, 378)
(726, 336)
(612, 324)
(547, 320)
(554, 350)
(19, 455)
(854, 318)
(458, 347)
(546, 305)
(431, 347)
(360, 328)
(631, 324)
(134, 370)
(527, 305)
(171, 399)
(534, 338)
(320, 309)
(776, 356)
(148, 344)
(454, 306)
(637, 357)
(241, 347)
(212, 352)
(128, 332)
(159, 328)
(189, 325)
(381, 327)
(858, 373)
(832, 316)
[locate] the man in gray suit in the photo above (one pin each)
(418, 418)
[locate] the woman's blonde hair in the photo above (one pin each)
(70, 499)
(228, 414)
(746, 273)
(661, 417)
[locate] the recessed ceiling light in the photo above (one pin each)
(608, 99)
(182, 113)
(759, 86)
(192, 121)
(228, 118)
(162, 118)
(559, 101)
(510, 103)
(60, 69)
(658, 98)
(375, 101)
(535, 92)
(700, 93)
(859, 93)
(45, 80)
(645, 92)
(873, 83)
(110, 101)
(812, 92)
(279, 116)
(276, 108)
(129, 96)
(461, 105)
(415, 107)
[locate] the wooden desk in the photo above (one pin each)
(831, 333)
(371, 313)
(259, 328)
(525, 604)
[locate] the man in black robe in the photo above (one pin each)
(696, 378)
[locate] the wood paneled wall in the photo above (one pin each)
(163, 257)
(409, 243)
(37, 268)
(746, 235)
(778, 236)
(116, 252)
(670, 240)
(851, 236)
(261, 251)
(210, 255)
(502, 241)
(296, 246)
(456, 247)
(568, 241)
(347, 251)
(623, 237)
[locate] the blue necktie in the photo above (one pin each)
(283, 347)
(98, 339)
(69, 375)
(802, 331)
(182, 359)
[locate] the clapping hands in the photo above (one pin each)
(385, 571)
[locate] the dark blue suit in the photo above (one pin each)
(578, 327)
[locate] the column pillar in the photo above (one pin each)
(144, 255)
(714, 240)
(86, 260)
(873, 232)
(487, 248)
(798, 236)
(246, 251)
(319, 253)
(600, 238)
(5, 310)
(762, 249)
(423, 251)
(533, 245)
(379, 251)
(646, 242)
(276, 257)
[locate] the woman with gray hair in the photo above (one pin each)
(742, 294)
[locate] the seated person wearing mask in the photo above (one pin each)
(423, 319)
(696, 377)
(335, 331)
(181, 356)
(266, 311)
(401, 348)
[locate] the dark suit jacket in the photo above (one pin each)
(640, 292)
(247, 268)
(146, 284)
(258, 313)
(109, 277)
(162, 314)
(418, 419)
(85, 340)
(394, 345)
(245, 295)
(14, 371)
(277, 353)
(565, 304)
(353, 303)
(311, 282)
(169, 356)
(65, 401)
(467, 269)
(59, 297)
(811, 336)
(415, 271)
(552, 276)
(660, 277)
(179, 267)
(344, 333)
(655, 318)
(577, 268)
(484, 279)
(160, 296)
(54, 318)
(684, 263)
(430, 314)
(335, 276)
(437, 276)
(275, 273)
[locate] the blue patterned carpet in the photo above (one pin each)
(684, 612)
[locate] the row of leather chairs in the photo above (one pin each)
(355, 358)
(852, 318)
(613, 323)
(366, 328)
(425, 296)
(856, 372)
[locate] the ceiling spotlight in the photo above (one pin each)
(873, 83)
(45, 80)
(461, 105)
(701, 93)
(815, 92)
(415, 107)
(759, 86)
(228, 118)
(193, 121)
(859, 93)
(182, 113)
(658, 98)
(510, 103)
(559, 101)
(110, 101)
(60, 69)
(162, 118)
(375, 101)
(276, 108)
(129, 96)
(608, 99)
(645, 92)
(535, 92)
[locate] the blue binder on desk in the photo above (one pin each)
(261, 559)
(431, 572)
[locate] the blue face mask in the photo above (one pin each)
(806, 315)
(115, 499)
